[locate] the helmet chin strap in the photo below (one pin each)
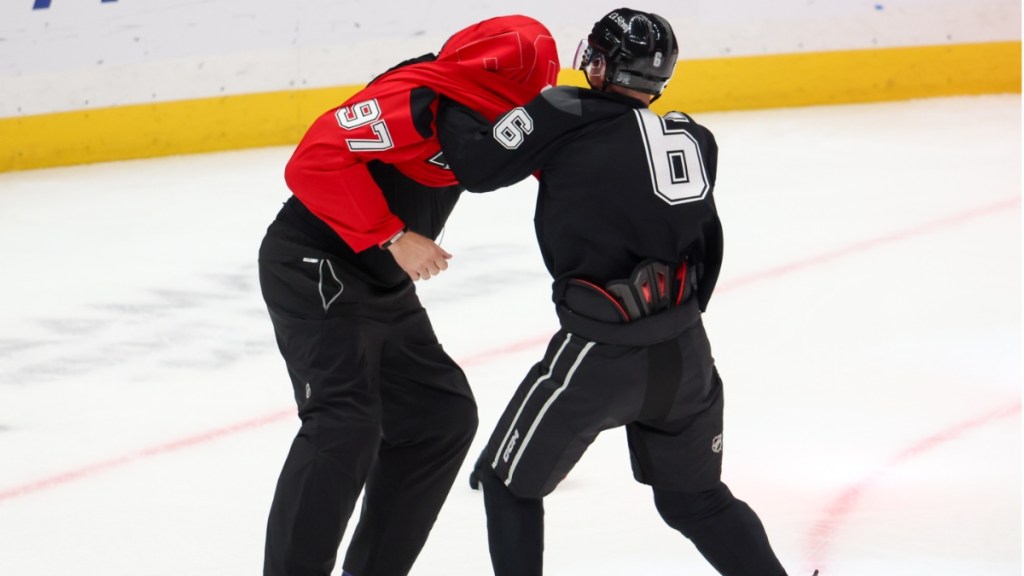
(603, 87)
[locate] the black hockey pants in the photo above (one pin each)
(382, 407)
(669, 397)
(725, 530)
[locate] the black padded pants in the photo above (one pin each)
(725, 530)
(382, 407)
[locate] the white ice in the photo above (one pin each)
(867, 326)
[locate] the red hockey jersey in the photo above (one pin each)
(491, 67)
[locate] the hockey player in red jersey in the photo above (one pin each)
(382, 406)
(488, 67)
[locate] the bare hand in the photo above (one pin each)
(419, 256)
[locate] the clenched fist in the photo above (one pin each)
(419, 256)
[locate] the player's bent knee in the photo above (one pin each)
(518, 490)
(486, 476)
(458, 421)
(495, 486)
(685, 510)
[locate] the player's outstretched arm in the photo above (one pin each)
(419, 256)
(485, 156)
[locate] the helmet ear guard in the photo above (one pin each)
(639, 48)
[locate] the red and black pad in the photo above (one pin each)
(650, 289)
(590, 300)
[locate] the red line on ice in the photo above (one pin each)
(488, 355)
(837, 512)
(104, 465)
(869, 244)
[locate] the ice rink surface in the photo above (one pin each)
(867, 326)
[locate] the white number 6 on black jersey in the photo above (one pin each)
(673, 156)
(513, 128)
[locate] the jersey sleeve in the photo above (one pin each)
(328, 171)
(486, 156)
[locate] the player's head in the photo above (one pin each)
(637, 50)
(516, 47)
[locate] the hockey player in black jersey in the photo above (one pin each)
(628, 229)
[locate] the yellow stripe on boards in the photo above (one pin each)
(844, 77)
(740, 83)
(163, 129)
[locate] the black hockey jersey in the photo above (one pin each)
(619, 184)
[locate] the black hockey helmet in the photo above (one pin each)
(639, 50)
